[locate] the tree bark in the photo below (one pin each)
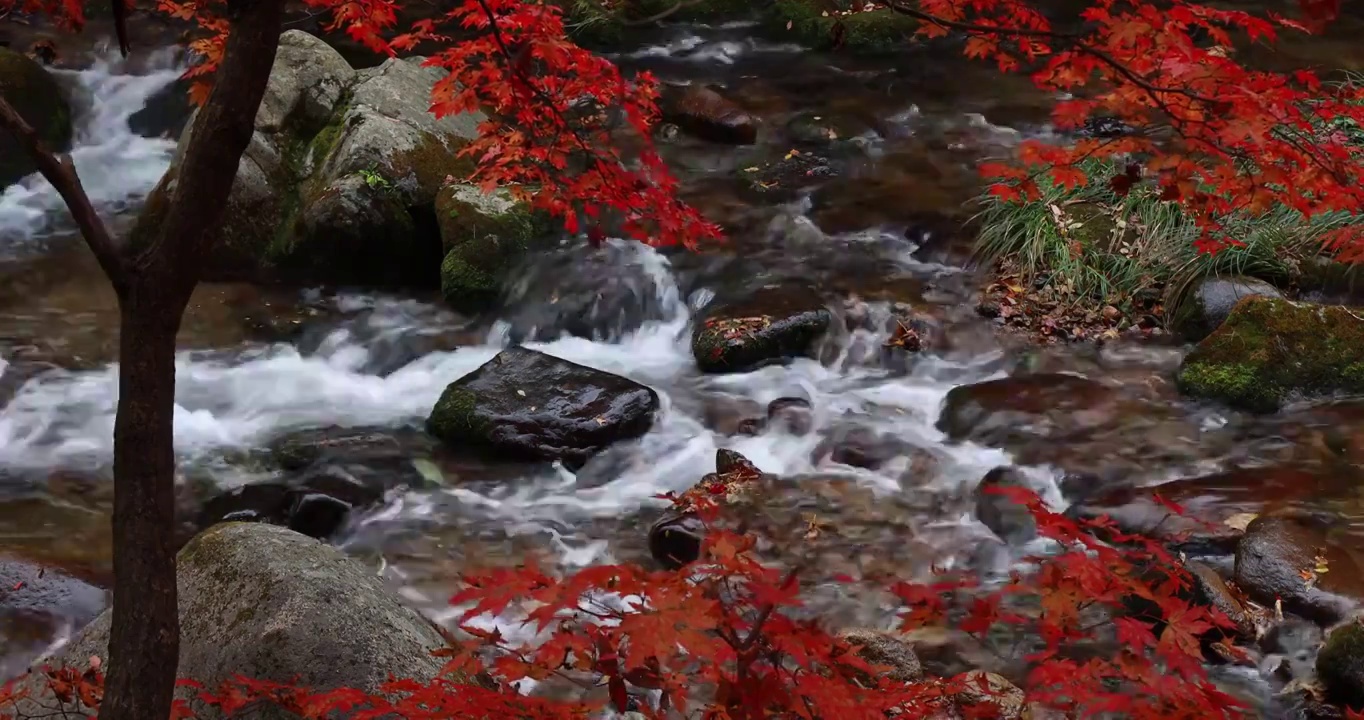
(154, 278)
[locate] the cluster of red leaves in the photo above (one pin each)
(1238, 140)
(720, 639)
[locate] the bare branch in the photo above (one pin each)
(61, 173)
(662, 14)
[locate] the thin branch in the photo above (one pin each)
(61, 173)
(660, 15)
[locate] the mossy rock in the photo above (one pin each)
(771, 325)
(1271, 350)
(820, 24)
(1340, 665)
(593, 25)
(39, 99)
(484, 235)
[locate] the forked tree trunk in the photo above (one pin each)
(154, 276)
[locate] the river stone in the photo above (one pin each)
(40, 100)
(1023, 408)
(338, 183)
(1270, 351)
(1007, 519)
(771, 325)
(483, 235)
(1275, 552)
(1340, 665)
(1211, 590)
(529, 405)
(37, 605)
(708, 115)
(1208, 305)
(268, 603)
(886, 650)
(327, 473)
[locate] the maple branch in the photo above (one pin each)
(661, 14)
(61, 174)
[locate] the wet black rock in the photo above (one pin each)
(326, 473)
(1211, 589)
(706, 114)
(773, 324)
(786, 176)
(1009, 520)
(528, 405)
(675, 539)
(1277, 560)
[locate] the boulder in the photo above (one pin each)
(775, 323)
(1278, 558)
(327, 473)
(1210, 589)
(1340, 665)
(40, 100)
(886, 650)
(826, 24)
(1270, 351)
(37, 606)
(1209, 303)
(708, 115)
(483, 235)
(339, 182)
(529, 405)
(267, 603)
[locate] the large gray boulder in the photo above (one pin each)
(39, 99)
(265, 602)
(339, 182)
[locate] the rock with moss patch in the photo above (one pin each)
(1270, 350)
(339, 181)
(1210, 302)
(483, 235)
(826, 24)
(40, 100)
(775, 323)
(706, 114)
(528, 405)
(1340, 665)
(266, 603)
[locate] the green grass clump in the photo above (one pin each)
(1092, 243)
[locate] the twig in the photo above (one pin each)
(61, 173)
(681, 4)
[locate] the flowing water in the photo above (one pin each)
(366, 360)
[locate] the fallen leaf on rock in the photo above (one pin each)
(1239, 521)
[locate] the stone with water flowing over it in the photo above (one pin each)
(1270, 351)
(1291, 557)
(776, 323)
(1023, 408)
(528, 405)
(270, 604)
(327, 474)
(40, 100)
(37, 604)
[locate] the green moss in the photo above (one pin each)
(454, 419)
(1340, 665)
(37, 97)
(1270, 349)
(813, 23)
(431, 162)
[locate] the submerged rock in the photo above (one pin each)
(1050, 405)
(1210, 302)
(270, 604)
(37, 605)
(708, 115)
(38, 98)
(1007, 519)
(529, 405)
(1270, 350)
(771, 325)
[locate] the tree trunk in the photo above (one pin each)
(144, 643)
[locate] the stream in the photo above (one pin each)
(885, 231)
